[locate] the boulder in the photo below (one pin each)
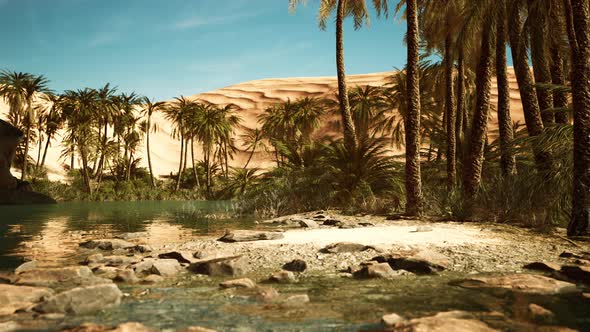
(152, 279)
(27, 266)
(390, 320)
(456, 321)
(543, 267)
(180, 256)
(126, 276)
(238, 283)
(307, 223)
(296, 265)
(579, 274)
(107, 244)
(247, 236)
(15, 298)
(82, 300)
(166, 267)
(422, 262)
(344, 247)
(144, 267)
(232, 266)
(266, 294)
(377, 270)
(521, 283)
(283, 277)
(108, 272)
(94, 259)
(65, 276)
(118, 260)
(538, 313)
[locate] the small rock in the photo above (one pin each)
(166, 267)
(421, 229)
(132, 236)
(143, 267)
(347, 225)
(422, 262)
(377, 270)
(28, 266)
(210, 254)
(238, 283)
(153, 279)
(391, 320)
(344, 247)
(94, 259)
(195, 329)
(108, 272)
(247, 236)
(127, 276)
(82, 300)
(295, 300)
(266, 294)
(320, 217)
(53, 316)
(140, 248)
(107, 244)
(283, 277)
(308, 223)
(118, 260)
(580, 274)
(456, 321)
(332, 222)
(543, 267)
(366, 224)
(296, 265)
(225, 266)
(74, 276)
(10, 326)
(539, 313)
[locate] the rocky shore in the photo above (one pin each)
(291, 249)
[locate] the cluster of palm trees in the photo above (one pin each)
(473, 34)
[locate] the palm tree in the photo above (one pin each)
(252, 141)
(176, 113)
(107, 112)
(507, 161)
(149, 107)
(579, 223)
(359, 12)
(52, 120)
(412, 121)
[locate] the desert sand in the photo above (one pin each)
(253, 98)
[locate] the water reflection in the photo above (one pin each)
(50, 234)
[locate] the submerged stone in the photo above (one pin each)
(523, 283)
(456, 321)
(82, 300)
(283, 277)
(391, 319)
(107, 244)
(238, 283)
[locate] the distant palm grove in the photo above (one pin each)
(437, 109)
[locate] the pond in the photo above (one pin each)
(50, 235)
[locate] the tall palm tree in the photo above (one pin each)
(107, 112)
(176, 113)
(253, 140)
(507, 161)
(149, 108)
(359, 12)
(53, 120)
(412, 121)
(579, 223)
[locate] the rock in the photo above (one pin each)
(377, 270)
(308, 223)
(107, 272)
(297, 300)
(283, 277)
(266, 294)
(180, 256)
(153, 279)
(365, 224)
(69, 276)
(580, 274)
(82, 300)
(422, 262)
(210, 254)
(144, 267)
(238, 283)
(118, 260)
(166, 267)
(456, 321)
(94, 259)
(132, 236)
(246, 236)
(10, 326)
(27, 266)
(133, 327)
(391, 320)
(522, 283)
(195, 329)
(140, 248)
(296, 265)
(539, 313)
(125, 327)
(127, 276)
(581, 255)
(232, 266)
(107, 244)
(421, 229)
(53, 316)
(543, 267)
(347, 225)
(332, 222)
(13, 298)
(344, 247)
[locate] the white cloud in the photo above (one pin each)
(199, 21)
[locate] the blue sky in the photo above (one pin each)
(165, 48)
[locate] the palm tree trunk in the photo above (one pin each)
(27, 138)
(185, 155)
(412, 125)
(528, 95)
(579, 224)
(195, 173)
(72, 159)
(45, 150)
(180, 163)
(474, 159)
(460, 102)
(85, 176)
(348, 125)
(149, 155)
(39, 148)
(560, 99)
(450, 115)
(507, 161)
(251, 153)
(569, 23)
(208, 167)
(539, 50)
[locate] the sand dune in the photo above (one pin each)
(252, 98)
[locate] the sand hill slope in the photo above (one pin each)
(253, 98)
